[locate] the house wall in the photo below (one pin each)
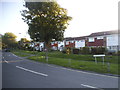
(70, 43)
(112, 42)
(54, 45)
(96, 41)
(79, 43)
(61, 44)
(57, 45)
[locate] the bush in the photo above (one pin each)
(65, 50)
(98, 50)
(76, 51)
(118, 53)
(85, 50)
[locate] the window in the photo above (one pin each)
(72, 41)
(67, 42)
(82, 40)
(91, 40)
(100, 37)
(109, 47)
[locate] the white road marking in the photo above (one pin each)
(6, 61)
(14, 55)
(88, 86)
(32, 71)
(17, 56)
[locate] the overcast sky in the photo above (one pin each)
(88, 16)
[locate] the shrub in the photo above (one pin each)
(118, 53)
(64, 50)
(76, 51)
(98, 50)
(85, 50)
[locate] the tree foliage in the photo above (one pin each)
(46, 20)
(9, 40)
(23, 42)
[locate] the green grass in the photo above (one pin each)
(21, 54)
(82, 62)
(82, 65)
(110, 59)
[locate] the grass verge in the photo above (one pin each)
(82, 62)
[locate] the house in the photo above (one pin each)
(76, 42)
(108, 39)
(57, 45)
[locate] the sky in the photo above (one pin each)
(88, 16)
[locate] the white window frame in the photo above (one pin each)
(100, 37)
(91, 39)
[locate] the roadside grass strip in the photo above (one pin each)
(82, 62)
(82, 65)
(21, 54)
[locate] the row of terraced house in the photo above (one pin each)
(107, 39)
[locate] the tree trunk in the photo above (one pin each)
(46, 51)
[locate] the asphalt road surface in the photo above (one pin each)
(18, 72)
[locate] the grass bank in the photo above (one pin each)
(82, 62)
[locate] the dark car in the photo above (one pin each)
(7, 50)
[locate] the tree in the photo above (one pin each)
(9, 40)
(46, 21)
(23, 42)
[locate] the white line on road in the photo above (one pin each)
(6, 61)
(88, 86)
(17, 56)
(32, 71)
(14, 55)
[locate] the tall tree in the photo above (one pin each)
(46, 21)
(9, 40)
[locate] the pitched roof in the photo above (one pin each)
(92, 35)
(103, 33)
(75, 38)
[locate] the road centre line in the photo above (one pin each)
(32, 71)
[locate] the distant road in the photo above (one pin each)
(23, 73)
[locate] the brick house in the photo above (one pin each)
(108, 39)
(76, 42)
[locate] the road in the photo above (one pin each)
(18, 72)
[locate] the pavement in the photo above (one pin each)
(18, 72)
